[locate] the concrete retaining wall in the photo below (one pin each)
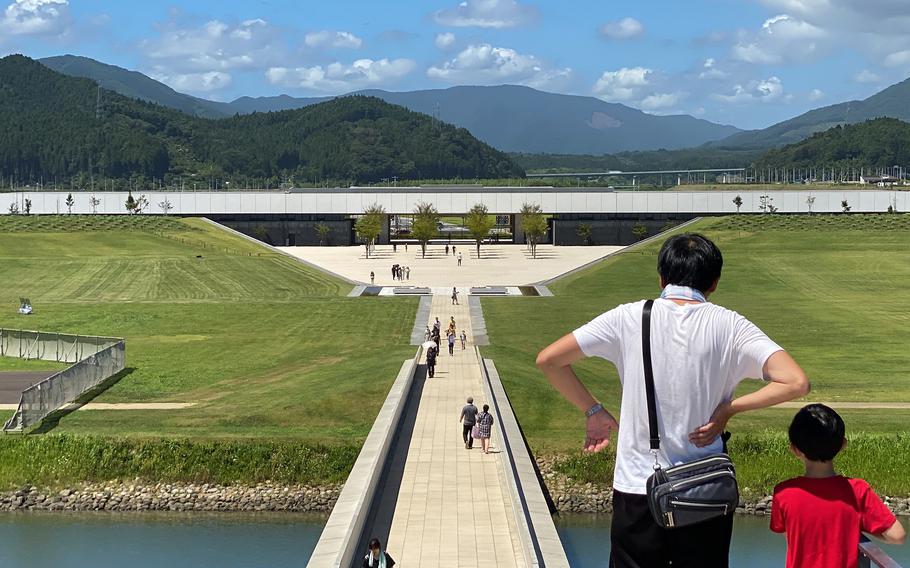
(341, 538)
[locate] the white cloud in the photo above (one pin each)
(866, 76)
(781, 38)
(660, 101)
(897, 59)
(338, 77)
(710, 70)
(624, 84)
(332, 39)
(486, 14)
(445, 40)
(214, 46)
(816, 94)
(35, 17)
(194, 82)
(485, 64)
(625, 28)
(766, 90)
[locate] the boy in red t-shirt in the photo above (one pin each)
(823, 513)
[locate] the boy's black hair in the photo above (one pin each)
(818, 432)
(690, 260)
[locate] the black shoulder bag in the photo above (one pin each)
(688, 493)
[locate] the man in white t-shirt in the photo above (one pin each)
(700, 352)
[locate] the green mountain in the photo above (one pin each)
(135, 85)
(51, 128)
(508, 117)
(893, 102)
(877, 144)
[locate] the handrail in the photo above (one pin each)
(871, 555)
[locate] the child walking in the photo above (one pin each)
(821, 512)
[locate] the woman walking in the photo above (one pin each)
(484, 428)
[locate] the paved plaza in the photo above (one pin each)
(452, 507)
(498, 265)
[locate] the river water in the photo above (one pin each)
(275, 540)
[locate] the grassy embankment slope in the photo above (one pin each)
(830, 289)
(280, 363)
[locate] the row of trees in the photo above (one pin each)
(425, 225)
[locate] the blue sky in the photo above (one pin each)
(749, 63)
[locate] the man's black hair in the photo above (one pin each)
(818, 432)
(690, 260)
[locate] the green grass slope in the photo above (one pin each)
(829, 289)
(264, 344)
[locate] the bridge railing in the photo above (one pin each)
(871, 556)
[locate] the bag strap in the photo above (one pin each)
(649, 374)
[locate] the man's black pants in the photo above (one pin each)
(466, 434)
(638, 542)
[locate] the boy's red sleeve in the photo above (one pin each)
(876, 516)
(777, 514)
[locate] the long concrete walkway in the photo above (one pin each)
(452, 506)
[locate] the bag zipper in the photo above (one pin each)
(693, 504)
(705, 462)
(697, 479)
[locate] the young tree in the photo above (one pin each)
(166, 206)
(95, 202)
(141, 203)
(130, 203)
(425, 225)
(479, 223)
(738, 201)
(766, 204)
(14, 208)
(810, 201)
(70, 201)
(369, 225)
(585, 231)
(28, 206)
(843, 204)
(534, 225)
(322, 233)
(639, 230)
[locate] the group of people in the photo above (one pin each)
(476, 424)
(698, 352)
(435, 335)
(399, 272)
(453, 253)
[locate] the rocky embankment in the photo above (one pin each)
(568, 496)
(572, 497)
(137, 496)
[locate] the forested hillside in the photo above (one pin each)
(879, 143)
(53, 130)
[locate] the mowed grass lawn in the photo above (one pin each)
(267, 346)
(832, 290)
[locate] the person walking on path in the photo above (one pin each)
(436, 338)
(394, 270)
(377, 558)
(427, 334)
(447, 250)
(372, 277)
(468, 418)
(431, 360)
(407, 272)
(700, 352)
(485, 428)
(437, 324)
(453, 250)
(459, 259)
(464, 339)
(454, 296)
(451, 334)
(406, 247)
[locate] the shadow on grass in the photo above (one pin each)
(53, 419)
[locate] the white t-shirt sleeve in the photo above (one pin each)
(600, 336)
(751, 349)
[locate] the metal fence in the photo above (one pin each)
(95, 360)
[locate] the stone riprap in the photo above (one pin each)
(138, 496)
